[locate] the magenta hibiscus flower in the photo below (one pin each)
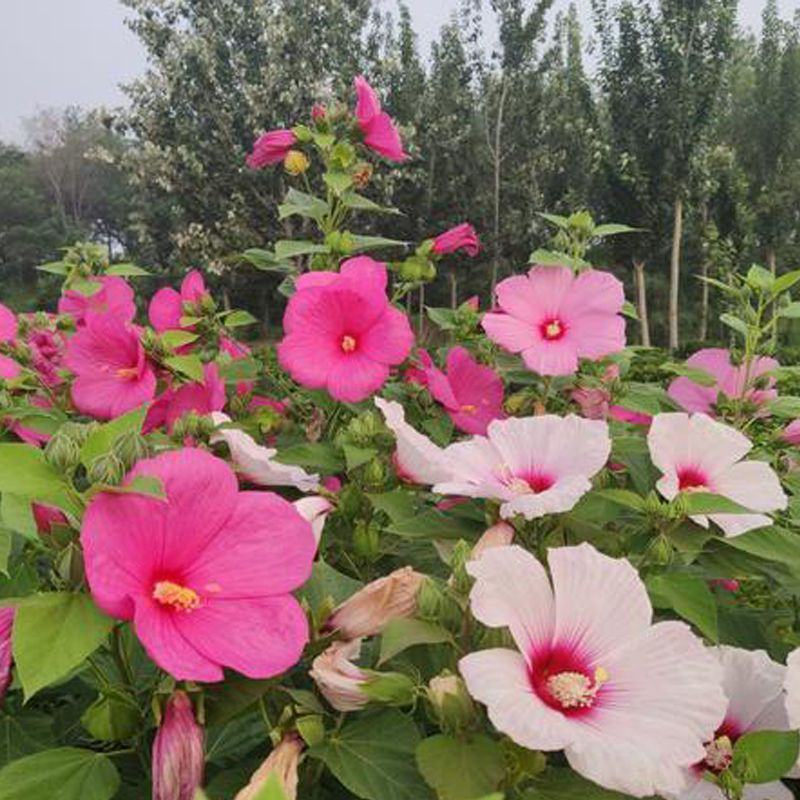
(271, 147)
(112, 373)
(114, 296)
(341, 332)
(205, 575)
(379, 131)
(733, 382)
(471, 393)
(167, 306)
(461, 237)
(553, 317)
(200, 397)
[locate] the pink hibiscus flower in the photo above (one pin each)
(698, 454)
(114, 297)
(791, 433)
(341, 332)
(205, 575)
(471, 393)
(532, 465)
(9, 368)
(753, 684)
(271, 148)
(167, 306)
(731, 380)
(630, 703)
(379, 131)
(461, 237)
(112, 374)
(553, 317)
(201, 398)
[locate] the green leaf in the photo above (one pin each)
(400, 634)
(786, 407)
(228, 744)
(760, 278)
(374, 757)
(357, 456)
(17, 515)
(613, 229)
(147, 485)
(54, 267)
(436, 524)
(786, 281)
(302, 205)
(549, 257)
(740, 326)
(321, 456)
(28, 731)
(689, 597)
(178, 338)
(225, 701)
(112, 718)
(694, 374)
(101, 440)
(357, 202)
(126, 270)
(67, 773)
(6, 540)
(765, 756)
(338, 182)
(707, 503)
(555, 219)
(265, 260)
(792, 311)
(327, 584)
(53, 634)
(25, 472)
(443, 318)
(397, 504)
(773, 544)
(190, 366)
(460, 769)
(623, 498)
(564, 784)
(361, 244)
(292, 248)
(237, 319)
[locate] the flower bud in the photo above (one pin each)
(318, 112)
(500, 534)
(46, 516)
(130, 448)
(178, 752)
(107, 468)
(370, 609)
(452, 707)
(62, 452)
(281, 762)
(362, 174)
(339, 680)
(6, 624)
(296, 162)
(389, 688)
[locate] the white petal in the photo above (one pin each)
(792, 687)
(736, 524)
(752, 484)
(315, 509)
(560, 497)
(418, 458)
(512, 590)
(476, 468)
(498, 678)
(601, 602)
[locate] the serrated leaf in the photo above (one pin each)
(357, 202)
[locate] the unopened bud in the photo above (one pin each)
(178, 752)
(453, 709)
(282, 762)
(500, 534)
(338, 678)
(296, 162)
(62, 452)
(130, 448)
(107, 468)
(389, 688)
(366, 540)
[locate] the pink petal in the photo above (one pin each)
(355, 378)
(367, 103)
(390, 339)
(511, 333)
(382, 136)
(9, 369)
(165, 310)
(193, 288)
(552, 358)
(8, 324)
(595, 292)
(104, 397)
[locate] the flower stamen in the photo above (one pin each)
(348, 344)
(181, 598)
(575, 689)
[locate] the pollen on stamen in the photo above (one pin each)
(348, 344)
(181, 598)
(468, 409)
(574, 689)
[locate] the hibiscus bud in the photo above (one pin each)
(362, 174)
(130, 448)
(366, 540)
(389, 688)
(46, 516)
(6, 624)
(318, 112)
(452, 707)
(499, 535)
(296, 162)
(429, 600)
(282, 763)
(107, 468)
(370, 609)
(374, 474)
(339, 680)
(62, 452)
(178, 752)
(791, 433)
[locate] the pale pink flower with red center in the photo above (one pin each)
(471, 393)
(553, 318)
(370, 609)
(698, 454)
(6, 625)
(178, 752)
(791, 433)
(532, 465)
(206, 573)
(271, 148)
(753, 685)
(379, 131)
(461, 237)
(113, 297)
(112, 373)
(46, 517)
(256, 463)
(168, 305)
(417, 459)
(201, 398)
(733, 382)
(281, 762)
(630, 703)
(338, 678)
(341, 332)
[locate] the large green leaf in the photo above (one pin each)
(53, 634)
(327, 583)
(401, 634)
(321, 456)
(67, 773)
(765, 756)
(689, 597)
(564, 784)
(25, 472)
(374, 757)
(772, 543)
(461, 769)
(435, 524)
(28, 731)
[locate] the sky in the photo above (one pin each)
(55, 53)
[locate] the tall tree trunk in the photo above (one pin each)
(704, 289)
(641, 301)
(772, 262)
(498, 160)
(453, 289)
(675, 272)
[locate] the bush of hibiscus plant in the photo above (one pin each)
(347, 566)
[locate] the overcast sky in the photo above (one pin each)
(77, 52)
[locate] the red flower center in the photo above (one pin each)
(692, 479)
(564, 680)
(175, 596)
(719, 751)
(348, 344)
(552, 329)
